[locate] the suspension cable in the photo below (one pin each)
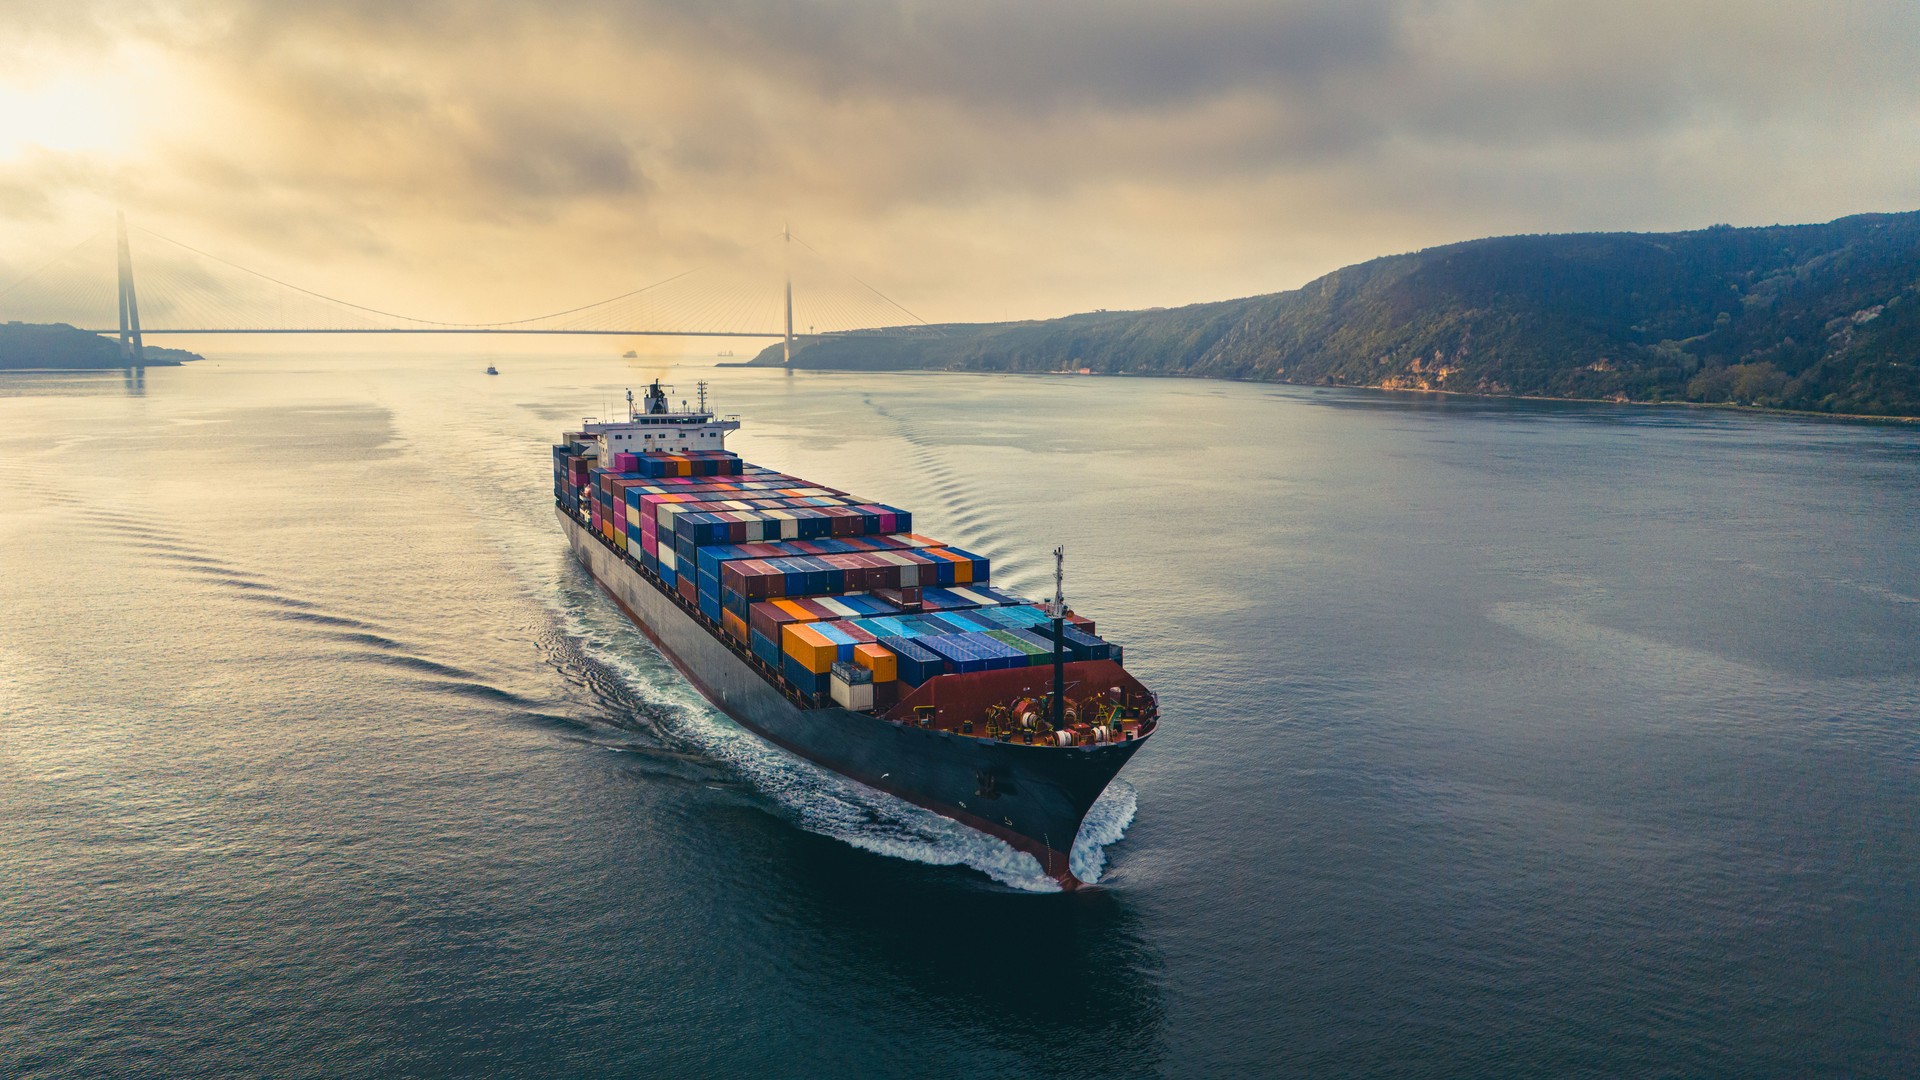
(408, 318)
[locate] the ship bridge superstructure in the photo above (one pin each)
(653, 426)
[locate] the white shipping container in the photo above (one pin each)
(858, 698)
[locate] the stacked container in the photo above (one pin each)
(680, 463)
(837, 595)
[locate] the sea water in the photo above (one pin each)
(1499, 738)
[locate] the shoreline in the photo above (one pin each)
(105, 367)
(1726, 406)
(1729, 406)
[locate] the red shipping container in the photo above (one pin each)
(863, 636)
(816, 608)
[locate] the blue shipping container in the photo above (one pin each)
(765, 648)
(916, 664)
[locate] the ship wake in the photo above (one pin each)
(823, 802)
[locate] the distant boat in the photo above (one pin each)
(491, 370)
(728, 352)
(629, 355)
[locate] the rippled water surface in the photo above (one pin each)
(1532, 739)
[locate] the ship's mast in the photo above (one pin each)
(702, 387)
(1057, 608)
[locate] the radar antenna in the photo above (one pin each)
(1058, 606)
(1057, 611)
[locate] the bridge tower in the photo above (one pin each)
(786, 234)
(132, 349)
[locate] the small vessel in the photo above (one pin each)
(629, 355)
(491, 370)
(823, 623)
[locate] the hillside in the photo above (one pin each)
(57, 345)
(1817, 317)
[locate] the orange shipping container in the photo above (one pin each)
(734, 625)
(813, 651)
(879, 660)
(797, 611)
(962, 568)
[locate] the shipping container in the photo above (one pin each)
(809, 577)
(914, 665)
(878, 659)
(1084, 646)
(767, 649)
(800, 642)
(810, 683)
(973, 652)
(1036, 653)
(849, 695)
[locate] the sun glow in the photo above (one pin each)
(68, 115)
(98, 108)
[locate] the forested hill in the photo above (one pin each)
(57, 345)
(1818, 317)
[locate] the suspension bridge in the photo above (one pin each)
(184, 290)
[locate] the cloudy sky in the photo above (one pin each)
(472, 159)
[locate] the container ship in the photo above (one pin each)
(823, 623)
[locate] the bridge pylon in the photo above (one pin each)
(132, 349)
(786, 251)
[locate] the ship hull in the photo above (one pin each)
(1032, 797)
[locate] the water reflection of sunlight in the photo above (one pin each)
(67, 384)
